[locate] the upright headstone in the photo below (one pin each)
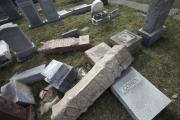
(49, 10)
(154, 24)
(140, 97)
(29, 76)
(60, 75)
(10, 9)
(29, 11)
(18, 42)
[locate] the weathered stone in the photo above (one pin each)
(94, 54)
(141, 99)
(65, 45)
(5, 55)
(154, 24)
(18, 42)
(95, 82)
(3, 17)
(81, 9)
(129, 39)
(71, 33)
(60, 75)
(11, 111)
(29, 11)
(17, 93)
(10, 10)
(29, 76)
(64, 14)
(49, 10)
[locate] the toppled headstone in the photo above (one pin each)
(99, 15)
(141, 99)
(29, 11)
(9, 8)
(3, 17)
(18, 42)
(92, 85)
(154, 24)
(64, 14)
(18, 93)
(11, 111)
(81, 9)
(94, 54)
(71, 33)
(61, 76)
(129, 39)
(5, 55)
(49, 10)
(29, 76)
(65, 45)
(84, 30)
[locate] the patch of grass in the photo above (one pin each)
(160, 63)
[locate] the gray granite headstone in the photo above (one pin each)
(29, 76)
(81, 9)
(140, 97)
(17, 93)
(49, 10)
(29, 11)
(64, 14)
(60, 75)
(154, 24)
(18, 42)
(10, 9)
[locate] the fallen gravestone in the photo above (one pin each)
(18, 42)
(49, 10)
(94, 54)
(12, 111)
(9, 8)
(153, 28)
(60, 75)
(81, 9)
(129, 39)
(3, 17)
(65, 45)
(29, 76)
(141, 99)
(78, 99)
(29, 11)
(64, 14)
(18, 93)
(71, 33)
(5, 55)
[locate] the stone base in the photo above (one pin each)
(150, 38)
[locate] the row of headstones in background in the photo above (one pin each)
(99, 15)
(18, 42)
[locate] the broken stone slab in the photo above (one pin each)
(11, 111)
(71, 33)
(81, 9)
(49, 10)
(29, 11)
(18, 93)
(18, 42)
(9, 8)
(61, 76)
(94, 54)
(5, 55)
(140, 97)
(153, 28)
(129, 39)
(78, 99)
(64, 14)
(29, 76)
(65, 45)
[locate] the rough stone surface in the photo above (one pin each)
(60, 75)
(49, 10)
(156, 16)
(95, 82)
(29, 11)
(129, 39)
(17, 93)
(65, 45)
(97, 6)
(94, 54)
(18, 42)
(141, 99)
(29, 76)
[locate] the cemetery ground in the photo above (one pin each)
(160, 63)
